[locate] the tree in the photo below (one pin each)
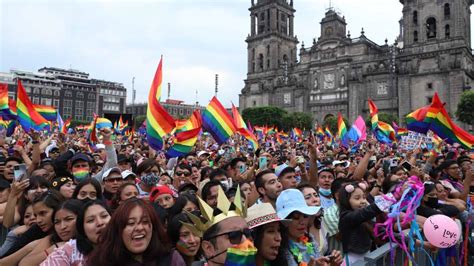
(139, 120)
(465, 111)
(384, 117)
(266, 115)
(297, 119)
(75, 123)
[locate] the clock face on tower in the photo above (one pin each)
(328, 31)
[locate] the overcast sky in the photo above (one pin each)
(119, 39)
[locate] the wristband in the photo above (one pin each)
(107, 142)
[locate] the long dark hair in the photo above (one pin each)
(72, 205)
(84, 245)
(52, 199)
(87, 181)
(181, 201)
(280, 260)
(112, 242)
(174, 226)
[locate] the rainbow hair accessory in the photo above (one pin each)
(408, 203)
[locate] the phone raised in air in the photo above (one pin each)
(19, 171)
(407, 166)
(262, 162)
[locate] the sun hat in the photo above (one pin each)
(260, 214)
(291, 200)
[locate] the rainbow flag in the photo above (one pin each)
(9, 126)
(28, 117)
(4, 98)
(158, 121)
(48, 112)
(193, 122)
(385, 133)
(444, 127)
(91, 132)
(131, 135)
(373, 114)
(249, 136)
(341, 126)
(296, 132)
(399, 131)
(217, 121)
(238, 120)
(320, 132)
(184, 143)
(328, 134)
(416, 120)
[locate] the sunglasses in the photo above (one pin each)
(112, 180)
(235, 237)
(183, 173)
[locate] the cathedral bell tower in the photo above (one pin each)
(271, 42)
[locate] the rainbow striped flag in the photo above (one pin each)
(9, 126)
(242, 128)
(28, 117)
(185, 140)
(158, 121)
(48, 112)
(328, 134)
(385, 133)
(416, 120)
(193, 122)
(296, 132)
(217, 121)
(341, 126)
(373, 114)
(320, 132)
(442, 125)
(4, 98)
(91, 132)
(238, 120)
(399, 131)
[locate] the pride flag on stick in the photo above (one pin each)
(217, 121)
(28, 117)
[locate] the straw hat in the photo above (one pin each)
(263, 213)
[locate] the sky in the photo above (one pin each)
(117, 40)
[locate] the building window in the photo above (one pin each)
(36, 91)
(89, 112)
(46, 101)
(415, 17)
(67, 110)
(429, 100)
(68, 93)
(28, 89)
(80, 94)
(80, 104)
(36, 100)
(56, 93)
(56, 103)
(447, 11)
(79, 111)
(268, 63)
(415, 36)
(429, 86)
(46, 92)
(260, 62)
(67, 103)
(447, 31)
(78, 117)
(431, 28)
(91, 105)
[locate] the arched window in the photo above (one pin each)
(56, 93)
(415, 36)
(447, 31)
(68, 93)
(431, 28)
(447, 11)
(285, 58)
(80, 94)
(415, 17)
(268, 50)
(260, 61)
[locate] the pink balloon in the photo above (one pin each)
(441, 231)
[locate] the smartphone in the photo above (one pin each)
(242, 168)
(19, 170)
(330, 258)
(407, 166)
(262, 162)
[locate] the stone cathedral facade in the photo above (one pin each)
(338, 72)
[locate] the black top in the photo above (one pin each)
(448, 210)
(33, 233)
(355, 237)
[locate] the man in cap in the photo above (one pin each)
(124, 163)
(111, 181)
(287, 176)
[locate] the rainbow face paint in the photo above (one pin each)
(80, 173)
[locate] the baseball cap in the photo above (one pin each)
(337, 162)
(159, 190)
(280, 169)
(111, 170)
(80, 157)
(99, 146)
(127, 173)
(291, 200)
(201, 153)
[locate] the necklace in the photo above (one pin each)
(297, 254)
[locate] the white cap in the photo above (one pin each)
(280, 169)
(336, 162)
(99, 146)
(109, 171)
(201, 153)
(127, 173)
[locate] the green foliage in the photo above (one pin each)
(266, 115)
(384, 117)
(276, 116)
(139, 120)
(465, 111)
(75, 123)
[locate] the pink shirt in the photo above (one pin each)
(67, 255)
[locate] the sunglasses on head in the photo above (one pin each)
(235, 237)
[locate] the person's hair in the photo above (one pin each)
(217, 172)
(175, 225)
(211, 232)
(180, 202)
(116, 197)
(344, 197)
(302, 186)
(233, 163)
(22, 210)
(337, 184)
(145, 165)
(205, 172)
(84, 245)
(280, 260)
(72, 205)
(259, 182)
(87, 181)
(184, 166)
(429, 186)
(112, 242)
(38, 181)
(206, 190)
(51, 198)
(287, 170)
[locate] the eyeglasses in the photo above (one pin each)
(235, 237)
(182, 173)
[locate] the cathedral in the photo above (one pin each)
(338, 72)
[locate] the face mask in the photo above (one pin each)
(242, 254)
(325, 192)
(150, 179)
(80, 174)
(432, 202)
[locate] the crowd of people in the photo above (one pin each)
(301, 202)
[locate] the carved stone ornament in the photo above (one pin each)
(329, 81)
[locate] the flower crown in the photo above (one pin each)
(227, 209)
